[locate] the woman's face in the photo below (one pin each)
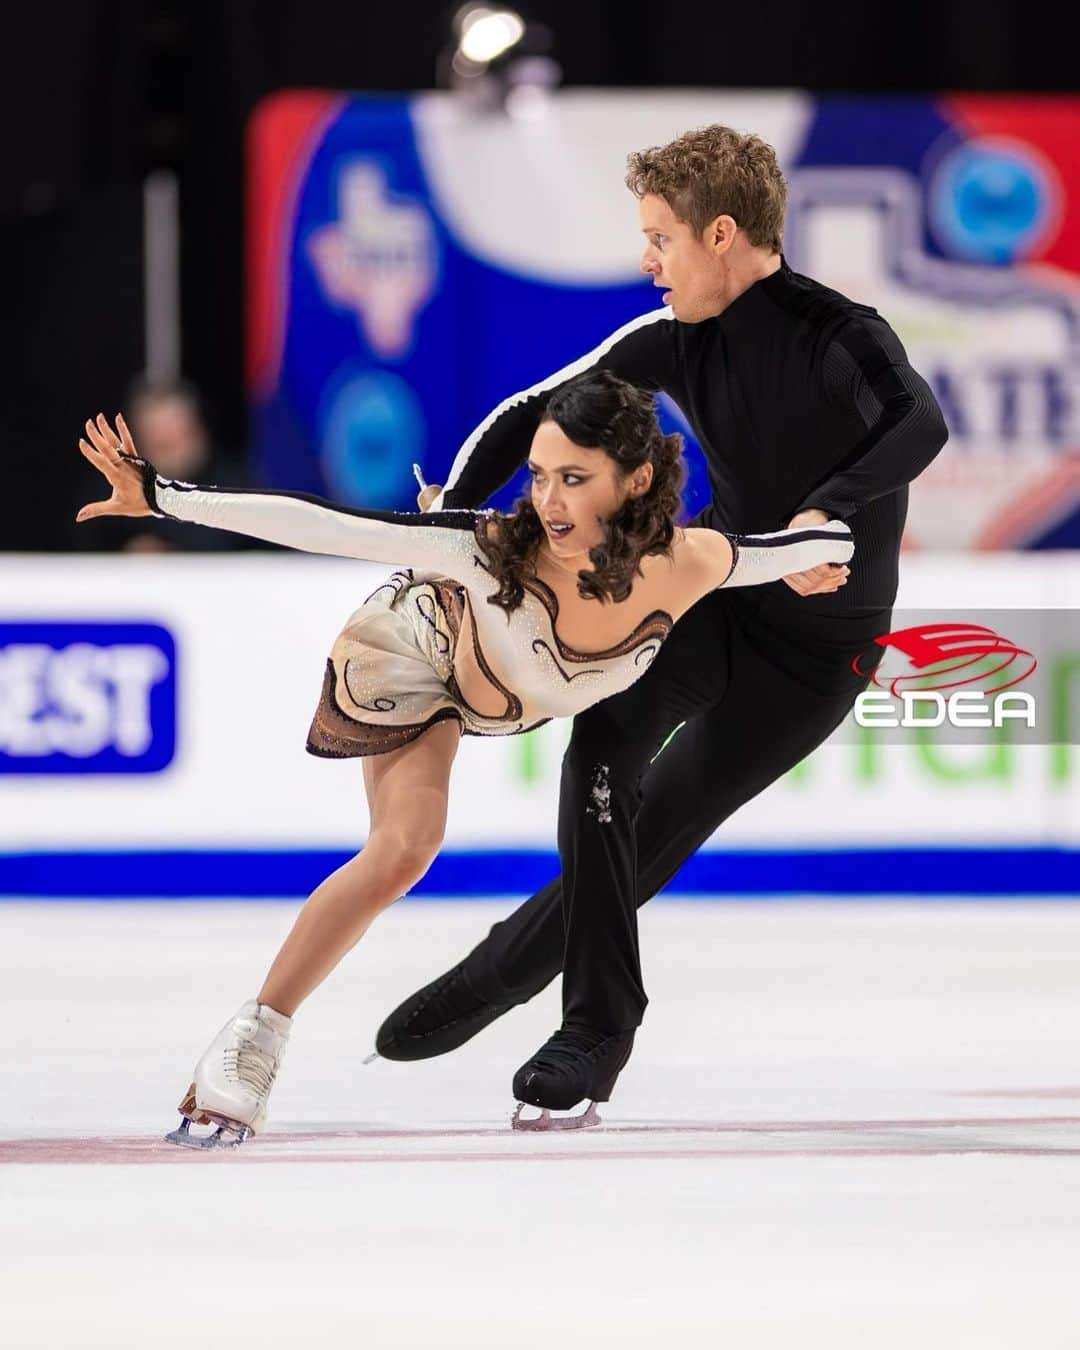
(575, 490)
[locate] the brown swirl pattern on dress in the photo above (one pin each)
(333, 734)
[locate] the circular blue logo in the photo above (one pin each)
(372, 433)
(990, 202)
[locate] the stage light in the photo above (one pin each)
(499, 60)
(487, 33)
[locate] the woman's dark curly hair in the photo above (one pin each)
(598, 410)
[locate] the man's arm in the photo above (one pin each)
(639, 352)
(865, 365)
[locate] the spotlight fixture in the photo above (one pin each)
(488, 33)
(498, 60)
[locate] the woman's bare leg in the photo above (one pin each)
(407, 794)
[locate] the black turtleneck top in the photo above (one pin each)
(799, 398)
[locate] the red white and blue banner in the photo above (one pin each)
(410, 263)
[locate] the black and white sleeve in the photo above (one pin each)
(445, 541)
(640, 352)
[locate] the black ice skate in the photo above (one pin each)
(438, 1018)
(574, 1064)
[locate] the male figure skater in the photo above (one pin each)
(807, 410)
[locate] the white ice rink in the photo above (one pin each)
(844, 1125)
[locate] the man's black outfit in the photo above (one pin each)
(799, 398)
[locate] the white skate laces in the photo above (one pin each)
(232, 1081)
(246, 1063)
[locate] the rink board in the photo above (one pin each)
(981, 874)
(153, 714)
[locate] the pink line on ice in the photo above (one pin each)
(142, 1149)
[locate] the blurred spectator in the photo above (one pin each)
(167, 423)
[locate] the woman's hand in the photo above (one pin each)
(826, 577)
(427, 495)
(113, 454)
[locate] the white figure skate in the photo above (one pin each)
(232, 1081)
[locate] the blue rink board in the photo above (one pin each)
(866, 873)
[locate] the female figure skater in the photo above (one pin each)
(514, 619)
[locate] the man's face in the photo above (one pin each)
(679, 260)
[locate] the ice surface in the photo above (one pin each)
(844, 1125)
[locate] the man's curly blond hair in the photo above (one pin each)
(716, 171)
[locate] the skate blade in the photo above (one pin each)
(545, 1122)
(370, 1059)
(229, 1134)
(190, 1110)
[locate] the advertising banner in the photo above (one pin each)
(412, 263)
(154, 711)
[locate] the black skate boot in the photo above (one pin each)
(440, 1017)
(574, 1064)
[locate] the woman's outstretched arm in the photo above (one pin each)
(716, 559)
(445, 541)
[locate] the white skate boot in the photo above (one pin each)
(233, 1079)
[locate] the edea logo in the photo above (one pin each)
(920, 684)
(86, 698)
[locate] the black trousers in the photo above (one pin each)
(758, 684)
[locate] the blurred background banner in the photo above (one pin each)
(412, 262)
(152, 744)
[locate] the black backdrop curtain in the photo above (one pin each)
(98, 94)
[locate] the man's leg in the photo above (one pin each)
(764, 724)
(599, 800)
(688, 674)
(603, 995)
